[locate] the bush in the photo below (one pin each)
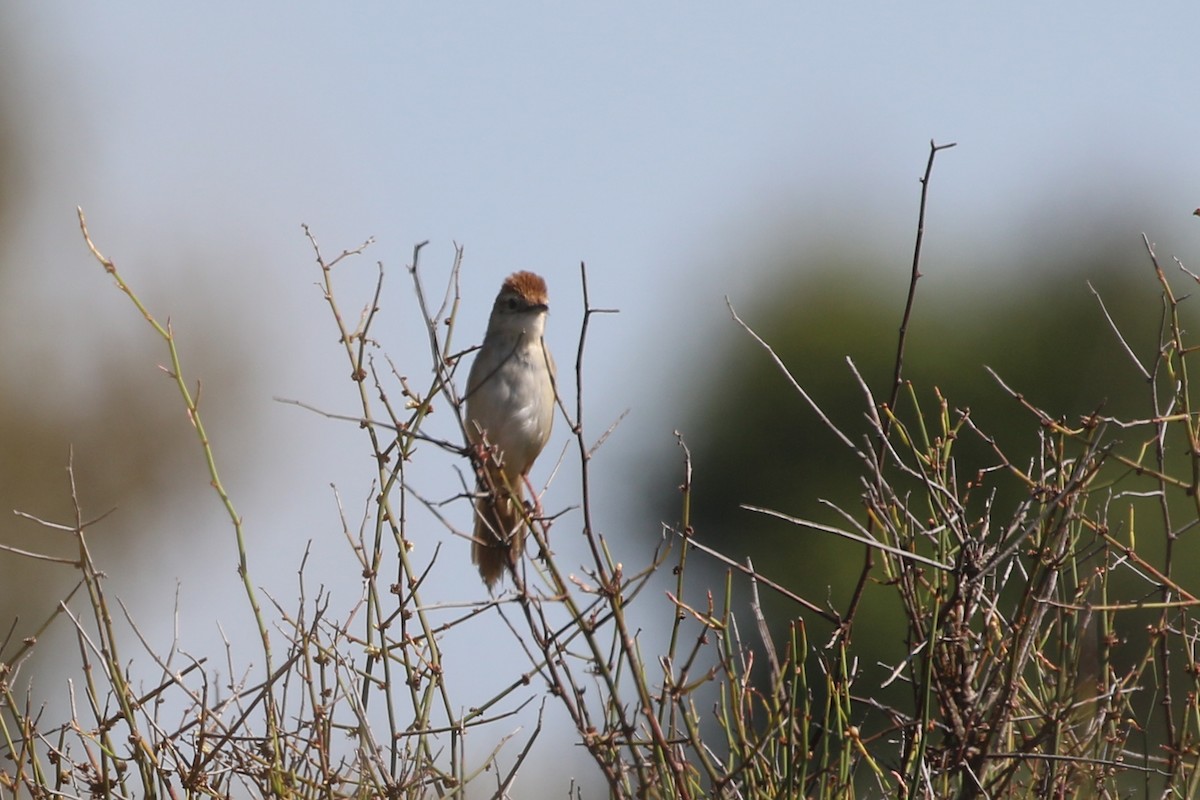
(1050, 649)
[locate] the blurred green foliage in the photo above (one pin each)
(1039, 326)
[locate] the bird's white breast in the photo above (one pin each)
(510, 397)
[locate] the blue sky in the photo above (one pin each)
(666, 144)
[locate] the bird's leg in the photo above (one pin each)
(535, 511)
(536, 501)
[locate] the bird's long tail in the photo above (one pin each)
(499, 526)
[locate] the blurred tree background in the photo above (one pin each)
(99, 397)
(1036, 323)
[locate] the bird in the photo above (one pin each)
(510, 403)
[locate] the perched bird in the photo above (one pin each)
(510, 409)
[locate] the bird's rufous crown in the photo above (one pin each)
(528, 286)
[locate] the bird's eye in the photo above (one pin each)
(512, 304)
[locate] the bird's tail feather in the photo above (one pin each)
(499, 526)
